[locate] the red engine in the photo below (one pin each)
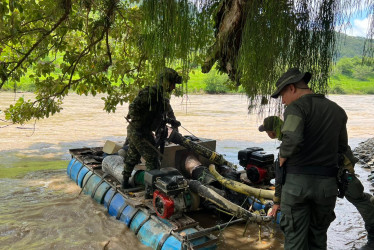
(258, 164)
(256, 174)
(163, 204)
(170, 192)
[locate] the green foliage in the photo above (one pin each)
(216, 84)
(348, 46)
(117, 47)
(355, 67)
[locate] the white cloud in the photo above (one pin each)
(358, 28)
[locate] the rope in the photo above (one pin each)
(188, 131)
(231, 218)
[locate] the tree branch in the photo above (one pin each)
(63, 18)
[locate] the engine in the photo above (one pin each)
(170, 192)
(258, 164)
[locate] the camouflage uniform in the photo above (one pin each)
(146, 113)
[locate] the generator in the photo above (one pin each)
(259, 165)
(169, 191)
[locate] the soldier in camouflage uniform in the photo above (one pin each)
(145, 115)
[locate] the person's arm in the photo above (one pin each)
(343, 139)
(282, 161)
(293, 133)
(276, 199)
(170, 115)
(169, 110)
(278, 189)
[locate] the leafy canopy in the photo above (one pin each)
(117, 47)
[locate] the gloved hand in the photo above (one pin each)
(174, 123)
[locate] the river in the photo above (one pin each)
(41, 207)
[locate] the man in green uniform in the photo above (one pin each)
(146, 114)
(314, 133)
(355, 190)
(272, 125)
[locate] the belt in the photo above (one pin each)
(330, 171)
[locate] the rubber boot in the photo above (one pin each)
(125, 182)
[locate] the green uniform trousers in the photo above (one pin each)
(140, 145)
(355, 195)
(307, 206)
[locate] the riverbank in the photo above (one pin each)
(365, 153)
(216, 83)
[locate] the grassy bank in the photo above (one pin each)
(21, 168)
(341, 84)
(215, 83)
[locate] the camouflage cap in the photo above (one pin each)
(271, 123)
(170, 75)
(292, 75)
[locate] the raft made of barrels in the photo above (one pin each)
(152, 231)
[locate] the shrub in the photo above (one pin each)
(216, 84)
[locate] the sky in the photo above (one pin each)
(359, 24)
(359, 27)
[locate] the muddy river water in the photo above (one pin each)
(42, 209)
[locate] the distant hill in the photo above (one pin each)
(349, 46)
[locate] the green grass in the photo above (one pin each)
(214, 83)
(341, 84)
(20, 169)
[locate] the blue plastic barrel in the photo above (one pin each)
(173, 243)
(116, 204)
(74, 171)
(69, 166)
(86, 178)
(101, 191)
(128, 214)
(151, 233)
(108, 197)
(91, 184)
(81, 175)
(138, 220)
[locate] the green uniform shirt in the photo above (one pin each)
(314, 132)
(147, 109)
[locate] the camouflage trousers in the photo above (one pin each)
(307, 206)
(140, 146)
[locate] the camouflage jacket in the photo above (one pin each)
(148, 108)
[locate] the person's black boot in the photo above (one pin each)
(125, 182)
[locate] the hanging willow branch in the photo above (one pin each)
(255, 40)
